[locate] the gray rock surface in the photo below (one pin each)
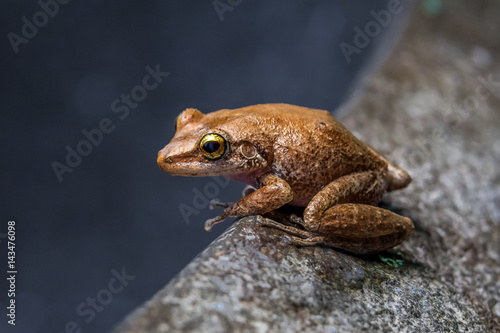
(250, 280)
(427, 109)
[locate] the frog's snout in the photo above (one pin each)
(163, 160)
(176, 163)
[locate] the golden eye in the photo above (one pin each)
(213, 146)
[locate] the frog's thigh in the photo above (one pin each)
(363, 228)
(363, 187)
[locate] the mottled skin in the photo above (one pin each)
(295, 156)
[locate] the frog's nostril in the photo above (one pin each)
(164, 160)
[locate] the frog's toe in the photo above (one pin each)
(211, 222)
(288, 229)
(214, 203)
(313, 241)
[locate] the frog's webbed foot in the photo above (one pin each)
(313, 241)
(228, 208)
(295, 236)
(286, 228)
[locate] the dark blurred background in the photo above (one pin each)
(116, 210)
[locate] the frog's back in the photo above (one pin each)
(295, 115)
(304, 131)
(315, 133)
(310, 147)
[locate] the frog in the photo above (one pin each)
(293, 156)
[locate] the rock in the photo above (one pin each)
(251, 280)
(431, 110)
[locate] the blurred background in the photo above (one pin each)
(73, 73)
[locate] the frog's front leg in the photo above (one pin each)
(273, 193)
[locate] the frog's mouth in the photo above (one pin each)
(180, 165)
(195, 168)
(190, 164)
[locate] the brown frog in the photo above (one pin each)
(292, 155)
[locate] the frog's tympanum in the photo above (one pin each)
(295, 156)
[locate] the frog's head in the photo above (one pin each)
(219, 143)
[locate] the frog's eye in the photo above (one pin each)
(213, 146)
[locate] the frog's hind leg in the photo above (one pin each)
(341, 215)
(366, 187)
(363, 228)
(355, 228)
